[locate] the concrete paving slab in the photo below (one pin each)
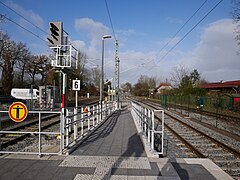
(216, 171)
(117, 132)
(167, 169)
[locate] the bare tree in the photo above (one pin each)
(127, 87)
(81, 69)
(96, 74)
(22, 65)
(144, 85)
(37, 64)
(178, 73)
(11, 52)
(152, 82)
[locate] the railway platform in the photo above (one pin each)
(113, 151)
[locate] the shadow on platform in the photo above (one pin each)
(104, 130)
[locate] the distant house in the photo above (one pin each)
(232, 87)
(163, 87)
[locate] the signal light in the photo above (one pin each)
(55, 34)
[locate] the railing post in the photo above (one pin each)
(67, 127)
(104, 110)
(82, 115)
(142, 118)
(39, 135)
(88, 114)
(152, 143)
(93, 114)
(108, 109)
(101, 112)
(98, 114)
(139, 115)
(145, 121)
(62, 119)
(75, 124)
(149, 123)
(162, 130)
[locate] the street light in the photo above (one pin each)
(101, 81)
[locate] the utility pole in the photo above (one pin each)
(117, 75)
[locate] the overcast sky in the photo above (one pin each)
(143, 28)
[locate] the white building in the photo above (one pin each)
(164, 87)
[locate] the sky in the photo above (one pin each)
(146, 31)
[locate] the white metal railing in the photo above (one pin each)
(145, 118)
(39, 133)
(78, 123)
(73, 127)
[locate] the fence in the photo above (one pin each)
(37, 142)
(80, 122)
(153, 132)
(215, 104)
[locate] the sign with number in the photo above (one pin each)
(76, 85)
(18, 111)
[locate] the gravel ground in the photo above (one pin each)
(228, 125)
(31, 143)
(173, 148)
(226, 140)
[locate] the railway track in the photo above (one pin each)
(202, 145)
(204, 112)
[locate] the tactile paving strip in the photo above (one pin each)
(83, 177)
(106, 162)
(121, 177)
(80, 161)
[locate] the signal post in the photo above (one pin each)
(64, 54)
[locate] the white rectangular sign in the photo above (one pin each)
(76, 85)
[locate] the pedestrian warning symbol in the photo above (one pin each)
(18, 111)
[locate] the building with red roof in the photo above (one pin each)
(232, 87)
(163, 87)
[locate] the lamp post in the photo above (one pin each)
(102, 71)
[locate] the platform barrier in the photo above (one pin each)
(38, 140)
(154, 132)
(82, 120)
(70, 129)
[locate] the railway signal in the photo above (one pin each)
(55, 34)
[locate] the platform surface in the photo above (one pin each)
(113, 151)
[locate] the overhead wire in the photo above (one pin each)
(171, 39)
(191, 29)
(14, 22)
(114, 31)
(23, 17)
(28, 22)
(110, 19)
(214, 7)
(45, 32)
(178, 30)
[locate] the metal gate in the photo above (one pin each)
(31, 136)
